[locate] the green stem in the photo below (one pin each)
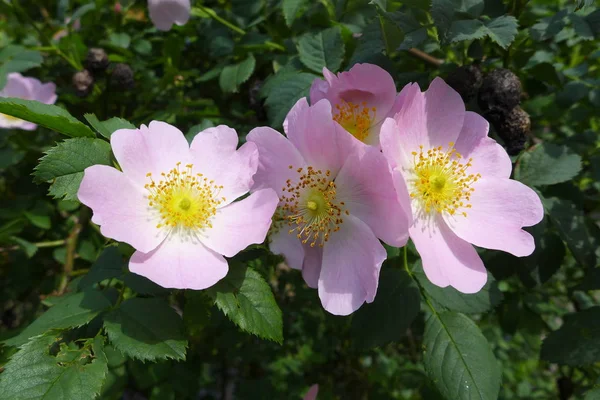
(44, 38)
(212, 14)
(54, 243)
(228, 24)
(423, 293)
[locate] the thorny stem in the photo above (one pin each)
(70, 258)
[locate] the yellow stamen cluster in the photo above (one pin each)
(310, 206)
(356, 119)
(441, 182)
(184, 199)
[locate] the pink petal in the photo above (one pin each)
(489, 158)
(500, 207)
(318, 90)
(311, 267)
(447, 259)
(165, 13)
(367, 83)
(120, 208)
(17, 86)
(410, 130)
(399, 101)
(180, 263)
(444, 113)
(241, 223)
(312, 393)
(392, 144)
(352, 259)
(43, 92)
(365, 185)
(153, 149)
(289, 246)
(214, 155)
(431, 119)
(322, 142)
(275, 155)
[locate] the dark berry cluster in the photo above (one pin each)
(499, 98)
(96, 65)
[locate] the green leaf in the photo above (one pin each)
(572, 228)
(442, 12)
(469, 29)
(285, 91)
(459, 359)
(108, 127)
(572, 93)
(41, 221)
(324, 49)
(445, 11)
(245, 297)
(233, 76)
(593, 394)
(48, 115)
(380, 3)
(143, 285)
(32, 373)
(582, 27)
(591, 281)
(484, 300)
(502, 30)
(120, 40)
(72, 311)
(290, 10)
(548, 27)
(395, 307)
(593, 20)
(146, 329)
(577, 342)
(547, 164)
(370, 44)
(81, 11)
(64, 164)
(108, 265)
(15, 58)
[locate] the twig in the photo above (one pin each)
(425, 57)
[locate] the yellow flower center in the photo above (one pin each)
(356, 119)
(310, 207)
(441, 182)
(184, 199)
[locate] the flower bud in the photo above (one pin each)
(122, 77)
(466, 80)
(501, 89)
(83, 81)
(96, 60)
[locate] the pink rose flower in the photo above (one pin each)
(312, 393)
(165, 13)
(362, 99)
(23, 87)
(336, 199)
(459, 187)
(174, 203)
